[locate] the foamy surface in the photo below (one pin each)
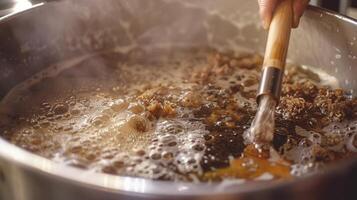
(93, 112)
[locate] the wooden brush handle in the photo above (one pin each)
(279, 35)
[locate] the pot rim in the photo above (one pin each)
(140, 186)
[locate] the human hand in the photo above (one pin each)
(267, 7)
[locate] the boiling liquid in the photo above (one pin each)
(161, 114)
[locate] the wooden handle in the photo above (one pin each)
(279, 35)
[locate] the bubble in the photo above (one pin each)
(120, 106)
(75, 149)
(44, 124)
(191, 161)
(60, 109)
(156, 171)
(139, 123)
(172, 144)
(50, 114)
(136, 108)
(45, 105)
(109, 170)
(67, 128)
(108, 154)
(140, 152)
(36, 141)
(167, 156)
(171, 127)
(91, 157)
(155, 156)
(198, 147)
(167, 138)
(75, 112)
(208, 137)
(99, 120)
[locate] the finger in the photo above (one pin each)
(266, 8)
(299, 8)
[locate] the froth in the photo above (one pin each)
(154, 114)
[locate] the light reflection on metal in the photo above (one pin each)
(21, 5)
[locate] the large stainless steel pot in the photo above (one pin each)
(53, 32)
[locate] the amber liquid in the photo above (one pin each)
(177, 115)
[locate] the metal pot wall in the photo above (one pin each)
(53, 32)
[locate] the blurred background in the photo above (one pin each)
(347, 7)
